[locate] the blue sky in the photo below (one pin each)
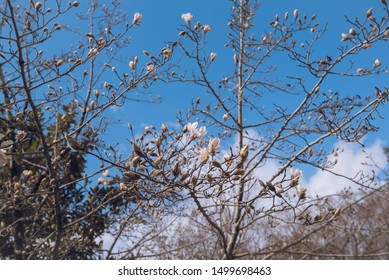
(162, 19)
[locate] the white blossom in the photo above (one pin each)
(204, 156)
(151, 68)
(213, 145)
(213, 56)
(377, 63)
(206, 28)
(187, 17)
(295, 173)
(301, 192)
(194, 132)
(137, 19)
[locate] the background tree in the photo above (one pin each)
(52, 110)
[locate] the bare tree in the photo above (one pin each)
(230, 194)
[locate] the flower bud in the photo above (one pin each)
(377, 63)
(38, 6)
(213, 145)
(184, 176)
(213, 56)
(132, 65)
(236, 58)
(369, 12)
(296, 13)
(193, 181)
(204, 156)
(176, 169)
(244, 152)
(345, 37)
(137, 19)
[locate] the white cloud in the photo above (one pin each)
(352, 161)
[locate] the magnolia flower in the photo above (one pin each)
(236, 58)
(301, 192)
(213, 56)
(132, 65)
(204, 156)
(243, 153)
(147, 129)
(17, 186)
(151, 68)
(137, 19)
(213, 145)
(167, 53)
(187, 17)
(369, 12)
(27, 173)
(106, 173)
(296, 13)
(352, 32)
(225, 117)
(206, 28)
(122, 186)
(194, 132)
(377, 63)
(38, 6)
(92, 52)
(21, 135)
(100, 180)
(345, 37)
(366, 45)
(228, 159)
(295, 173)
